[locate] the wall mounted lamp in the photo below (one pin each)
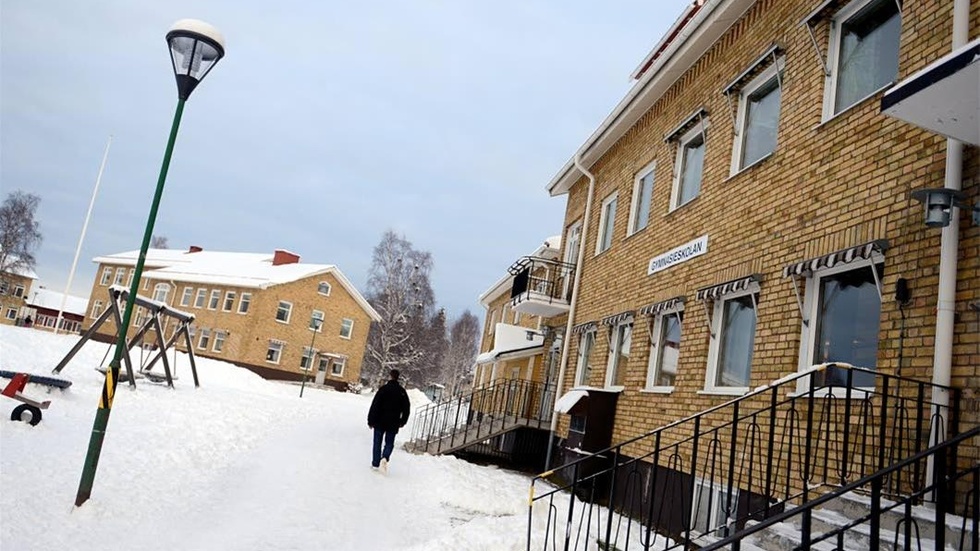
(940, 201)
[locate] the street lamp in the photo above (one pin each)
(195, 48)
(315, 324)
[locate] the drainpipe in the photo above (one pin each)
(566, 341)
(946, 300)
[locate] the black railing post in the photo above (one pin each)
(459, 408)
(847, 427)
(773, 400)
(731, 466)
(975, 513)
(875, 535)
(571, 506)
(883, 429)
(612, 498)
(654, 471)
(941, 486)
(808, 445)
(694, 476)
(916, 470)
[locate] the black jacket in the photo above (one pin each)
(390, 407)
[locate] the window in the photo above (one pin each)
(11, 313)
(215, 299)
(316, 321)
(306, 361)
(337, 368)
(864, 42)
(346, 328)
(229, 301)
(106, 277)
(583, 370)
(619, 353)
(733, 338)
(323, 288)
(845, 320)
(642, 194)
(160, 292)
(219, 341)
(576, 423)
(244, 302)
(4, 287)
(274, 353)
(202, 295)
(146, 284)
(204, 339)
(97, 307)
(492, 323)
(689, 166)
(130, 276)
(19, 291)
(711, 508)
(120, 276)
(283, 311)
(665, 350)
(185, 299)
(607, 219)
(758, 118)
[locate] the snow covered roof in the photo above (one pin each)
(512, 339)
(46, 298)
(549, 249)
(249, 270)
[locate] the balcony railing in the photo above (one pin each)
(542, 286)
(708, 476)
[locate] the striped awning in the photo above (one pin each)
(733, 286)
(840, 257)
(277, 341)
(584, 328)
(662, 306)
(616, 319)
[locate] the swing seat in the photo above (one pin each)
(157, 377)
(123, 374)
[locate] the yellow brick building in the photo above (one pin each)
(269, 313)
(15, 289)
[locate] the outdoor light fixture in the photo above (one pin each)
(195, 48)
(939, 203)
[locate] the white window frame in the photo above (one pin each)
(120, 276)
(613, 356)
(493, 321)
(714, 348)
(97, 309)
(654, 363)
(229, 304)
(106, 276)
(244, 303)
(201, 300)
(317, 315)
(342, 362)
(219, 341)
(773, 72)
(278, 348)
(11, 313)
(129, 277)
(19, 291)
(187, 296)
(720, 492)
(638, 183)
(161, 288)
(833, 57)
(582, 361)
(811, 307)
(699, 130)
(215, 300)
(319, 288)
(289, 311)
(307, 359)
(349, 324)
(204, 338)
(603, 214)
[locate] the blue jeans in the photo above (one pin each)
(389, 438)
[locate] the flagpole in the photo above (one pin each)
(81, 237)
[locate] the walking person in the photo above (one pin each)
(388, 413)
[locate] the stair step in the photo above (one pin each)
(852, 506)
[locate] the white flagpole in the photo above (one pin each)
(81, 237)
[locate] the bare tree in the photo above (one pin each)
(398, 288)
(464, 342)
(19, 235)
(159, 242)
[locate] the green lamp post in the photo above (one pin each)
(195, 48)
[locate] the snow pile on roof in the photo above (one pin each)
(46, 298)
(568, 401)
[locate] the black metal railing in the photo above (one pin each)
(706, 476)
(541, 279)
(481, 414)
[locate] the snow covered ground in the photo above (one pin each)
(237, 464)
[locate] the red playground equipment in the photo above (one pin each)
(29, 410)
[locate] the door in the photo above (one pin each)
(573, 240)
(321, 370)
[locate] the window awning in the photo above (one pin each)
(824, 10)
(569, 399)
(943, 97)
(277, 341)
(842, 256)
(662, 306)
(584, 328)
(616, 319)
(688, 124)
(722, 289)
(758, 66)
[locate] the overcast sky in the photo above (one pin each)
(325, 124)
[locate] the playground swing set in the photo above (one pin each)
(30, 410)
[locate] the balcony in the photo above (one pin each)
(542, 287)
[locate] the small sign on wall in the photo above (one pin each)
(678, 255)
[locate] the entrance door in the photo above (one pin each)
(321, 370)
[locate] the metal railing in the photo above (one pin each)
(706, 476)
(542, 279)
(480, 414)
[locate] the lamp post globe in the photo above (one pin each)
(195, 48)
